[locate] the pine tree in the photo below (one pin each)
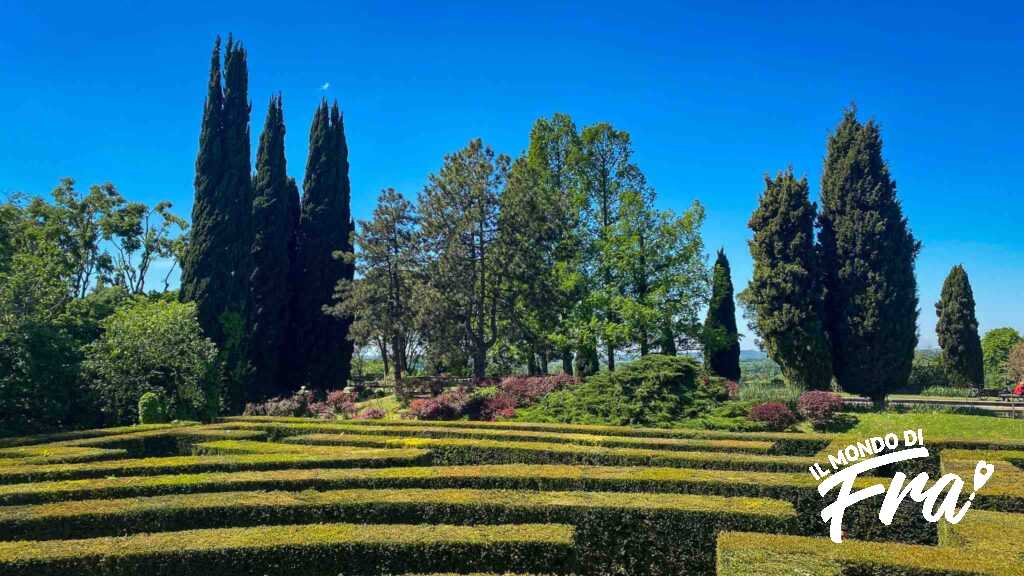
(867, 255)
(321, 349)
(721, 338)
(215, 268)
(784, 300)
(957, 329)
(272, 213)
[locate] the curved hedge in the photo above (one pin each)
(308, 550)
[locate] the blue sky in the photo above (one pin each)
(714, 95)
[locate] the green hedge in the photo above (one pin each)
(1004, 491)
(616, 532)
(91, 433)
(984, 543)
(368, 458)
(800, 444)
(479, 451)
(52, 454)
(798, 489)
(307, 550)
(427, 431)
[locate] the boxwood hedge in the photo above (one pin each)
(308, 550)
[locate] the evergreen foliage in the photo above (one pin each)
(721, 338)
(272, 214)
(957, 329)
(868, 255)
(784, 300)
(322, 352)
(216, 265)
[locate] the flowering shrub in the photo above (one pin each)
(370, 414)
(446, 406)
(502, 405)
(819, 407)
(525, 390)
(733, 388)
(338, 404)
(776, 415)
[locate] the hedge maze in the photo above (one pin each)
(296, 496)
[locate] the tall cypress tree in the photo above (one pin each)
(272, 213)
(215, 268)
(721, 338)
(957, 329)
(784, 300)
(322, 349)
(868, 255)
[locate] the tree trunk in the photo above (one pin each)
(479, 363)
(531, 364)
(567, 362)
(611, 358)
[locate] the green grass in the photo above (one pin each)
(939, 425)
(389, 404)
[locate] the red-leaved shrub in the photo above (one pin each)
(446, 406)
(503, 405)
(819, 407)
(370, 414)
(776, 415)
(528, 389)
(733, 388)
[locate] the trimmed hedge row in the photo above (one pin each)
(616, 533)
(426, 431)
(51, 454)
(355, 458)
(799, 444)
(91, 433)
(798, 489)
(984, 543)
(1004, 491)
(308, 550)
(449, 451)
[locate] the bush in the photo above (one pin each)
(152, 346)
(926, 372)
(152, 408)
(446, 406)
(819, 407)
(775, 390)
(776, 415)
(654, 390)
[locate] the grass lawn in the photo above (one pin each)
(389, 404)
(938, 425)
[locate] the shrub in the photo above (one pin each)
(446, 406)
(926, 372)
(152, 408)
(500, 406)
(150, 346)
(775, 390)
(819, 407)
(776, 415)
(370, 414)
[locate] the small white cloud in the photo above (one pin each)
(325, 86)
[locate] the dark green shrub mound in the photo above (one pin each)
(654, 391)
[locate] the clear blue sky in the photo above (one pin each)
(714, 95)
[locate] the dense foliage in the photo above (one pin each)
(153, 346)
(867, 255)
(784, 300)
(653, 390)
(957, 329)
(996, 346)
(721, 339)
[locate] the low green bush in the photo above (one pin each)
(615, 533)
(50, 454)
(653, 390)
(307, 550)
(152, 408)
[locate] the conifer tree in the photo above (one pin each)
(868, 255)
(957, 329)
(272, 212)
(721, 338)
(321, 348)
(215, 268)
(784, 300)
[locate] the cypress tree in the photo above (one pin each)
(272, 213)
(784, 299)
(215, 268)
(957, 329)
(867, 255)
(721, 339)
(322, 349)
